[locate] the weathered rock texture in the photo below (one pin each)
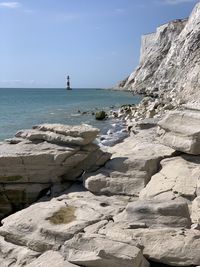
(176, 247)
(156, 214)
(46, 226)
(130, 169)
(96, 251)
(49, 224)
(170, 59)
(179, 178)
(45, 159)
(51, 258)
(181, 131)
(196, 211)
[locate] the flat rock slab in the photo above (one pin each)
(147, 123)
(96, 251)
(45, 159)
(130, 169)
(26, 147)
(84, 131)
(156, 214)
(51, 137)
(174, 247)
(47, 225)
(178, 178)
(182, 131)
(15, 256)
(51, 259)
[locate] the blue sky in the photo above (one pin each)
(96, 42)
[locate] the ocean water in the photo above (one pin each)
(23, 108)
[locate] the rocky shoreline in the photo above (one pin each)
(134, 204)
(76, 203)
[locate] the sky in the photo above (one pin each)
(96, 42)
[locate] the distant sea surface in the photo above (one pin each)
(23, 108)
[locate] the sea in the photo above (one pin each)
(22, 108)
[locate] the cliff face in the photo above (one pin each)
(169, 60)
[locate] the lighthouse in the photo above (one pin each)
(68, 83)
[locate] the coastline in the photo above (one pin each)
(54, 106)
(114, 189)
(72, 197)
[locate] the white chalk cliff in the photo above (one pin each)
(170, 60)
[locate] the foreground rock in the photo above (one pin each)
(60, 134)
(88, 230)
(84, 131)
(176, 247)
(13, 255)
(51, 258)
(47, 225)
(155, 214)
(130, 169)
(46, 159)
(181, 131)
(96, 251)
(177, 179)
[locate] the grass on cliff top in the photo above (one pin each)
(63, 216)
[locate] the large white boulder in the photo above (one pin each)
(84, 131)
(130, 169)
(181, 131)
(156, 214)
(45, 159)
(51, 259)
(47, 225)
(178, 178)
(60, 134)
(96, 251)
(175, 247)
(15, 256)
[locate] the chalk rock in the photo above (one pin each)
(182, 131)
(154, 48)
(84, 131)
(174, 247)
(45, 160)
(47, 225)
(93, 251)
(170, 60)
(147, 123)
(196, 211)
(130, 169)
(51, 258)
(178, 178)
(15, 256)
(156, 214)
(51, 137)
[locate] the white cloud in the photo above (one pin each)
(11, 5)
(176, 2)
